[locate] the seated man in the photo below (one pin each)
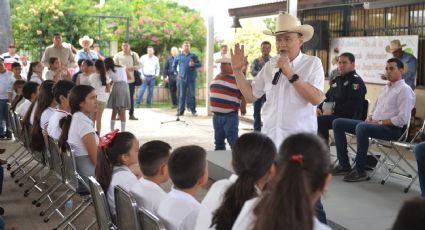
(391, 112)
(344, 98)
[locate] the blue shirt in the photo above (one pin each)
(412, 63)
(81, 54)
(257, 66)
(168, 68)
(186, 72)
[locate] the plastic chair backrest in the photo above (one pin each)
(103, 216)
(126, 209)
(149, 221)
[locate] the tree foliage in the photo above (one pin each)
(160, 23)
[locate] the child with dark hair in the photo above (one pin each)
(35, 72)
(87, 69)
(411, 215)
(99, 81)
(253, 157)
(29, 92)
(188, 171)
(61, 94)
(303, 175)
(153, 158)
(118, 151)
(16, 70)
(56, 71)
(42, 113)
(18, 85)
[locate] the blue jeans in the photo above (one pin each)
(257, 112)
(320, 212)
(149, 81)
(363, 131)
(3, 115)
(187, 89)
(324, 124)
(420, 159)
(131, 87)
(225, 127)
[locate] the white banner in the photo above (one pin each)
(370, 53)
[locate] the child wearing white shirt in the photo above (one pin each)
(60, 93)
(179, 209)
(153, 158)
(253, 157)
(119, 152)
(303, 175)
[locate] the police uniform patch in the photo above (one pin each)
(356, 86)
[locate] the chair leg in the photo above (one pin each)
(46, 219)
(76, 213)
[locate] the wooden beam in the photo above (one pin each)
(258, 10)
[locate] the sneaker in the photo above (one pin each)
(339, 171)
(194, 114)
(132, 117)
(355, 176)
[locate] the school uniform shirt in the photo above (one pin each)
(53, 129)
(36, 79)
(246, 218)
(118, 75)
(33, 113)
(84, 79)
(45, 117)
(286, 112)
(148, 194)
(81, 125)
(23, 108)
(97, 85)
(212, 201)
(123, 177)
(178, 210)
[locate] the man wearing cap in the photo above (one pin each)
(10, 57)
(225, 102)
(58, 50)
(86, 53)
(292, 82)
(396, 48)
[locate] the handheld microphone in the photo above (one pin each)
(276, 77)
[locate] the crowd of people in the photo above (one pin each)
(280, 173)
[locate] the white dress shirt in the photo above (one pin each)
(246, 218)
(53, 129)
(286, 112)
(148, 194)
(123, 177)
(149, 65)
(212, 201)
(395, 102)
(81, 125)
(45, 117)
(178, 210)
(23, 108)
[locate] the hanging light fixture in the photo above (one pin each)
(236, 24)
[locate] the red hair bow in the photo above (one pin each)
(298, 158)
(107, 138)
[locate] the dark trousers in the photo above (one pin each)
(257, 112)
(420, 159)
(131, 87)
(226, 126)
(320, 212)
(172, 86)
(324, 124)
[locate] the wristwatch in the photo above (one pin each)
(293, 78)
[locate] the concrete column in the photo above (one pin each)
(292, 7)
(210, 59)
(5, 31)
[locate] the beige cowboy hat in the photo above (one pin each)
(394, 45)
(223, 59)
(287, 23)
(85, 38)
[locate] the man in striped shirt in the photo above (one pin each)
(225, 102)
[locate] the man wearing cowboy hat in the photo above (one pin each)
(396, 48)
(86, 42)
(58, 50)
(292, 82)
(225, 102)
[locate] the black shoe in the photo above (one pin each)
(355, 176)
(340, 171)
(132, 117)
(180, 113)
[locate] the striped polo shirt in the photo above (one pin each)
(225, 95)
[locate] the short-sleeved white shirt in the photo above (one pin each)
(45, 117)
(84, 79)
(53, 129)
(97, 85)
(81, 125)
(286, 112)
(35, 78)
(148, 194)
(23, 108)
(178, 210)
(246, 218)
(212, 201)
(118, 75)
(123, 177)
(6, 83)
